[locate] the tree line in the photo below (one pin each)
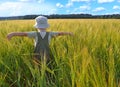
(65, 16)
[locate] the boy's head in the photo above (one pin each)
(41, 22)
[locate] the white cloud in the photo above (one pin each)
(11, 8)
(116, 13)
(68, 11)
(80, 0)
(26, 0)
(116, 7)
(105, 1)
(99, 9)
(112, 13)
(69, 4)
(39, 1)
(80, 10)
(20, 8)
(52, 11)
(59, 5)
(84, 7)
(77, 12)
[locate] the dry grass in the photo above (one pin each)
(91, 58)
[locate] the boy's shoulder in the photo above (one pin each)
(32, 33)
(53, 33)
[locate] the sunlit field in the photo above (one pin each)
(89, 58)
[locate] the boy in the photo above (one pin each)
(42, 38)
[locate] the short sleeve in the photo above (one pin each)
(54, 33)
(31, 34)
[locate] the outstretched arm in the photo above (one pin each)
(10, 35)
(65, 33)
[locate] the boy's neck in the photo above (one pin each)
(42, 29)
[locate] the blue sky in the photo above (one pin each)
(26, 7)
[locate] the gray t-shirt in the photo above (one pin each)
(33, 34)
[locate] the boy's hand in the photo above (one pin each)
(9, 36)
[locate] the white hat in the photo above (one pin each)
(41, 22)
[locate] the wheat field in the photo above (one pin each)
(89, 58)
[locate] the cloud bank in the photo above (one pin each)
(22, 8)
(26, 7)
